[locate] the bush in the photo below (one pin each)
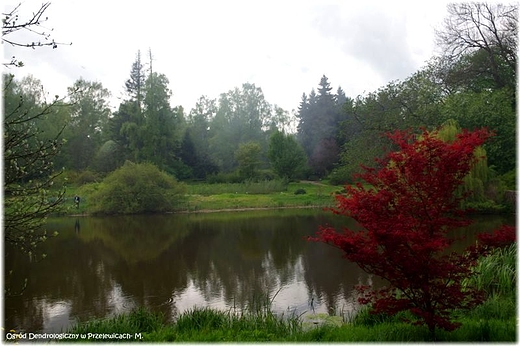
(224, 178)
(137, 188)
(300, 192)
(266, 174)
(87, 177)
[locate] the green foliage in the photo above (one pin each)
(248, 158)
(137, 188)
(89, 114)
(359, 150)
(241, 116)
(198, 133)
(286, 156)
(28, 167)
(163, 127)
(106, 159)
(318, 118)
(224, 178)
(135, 84)
(484, 193)
(495, 109)
(509, 178)
(87, 177)
(300, 192)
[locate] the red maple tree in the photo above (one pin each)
(406, 209)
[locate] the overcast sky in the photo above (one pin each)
(210, 47)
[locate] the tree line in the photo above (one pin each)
(240, 135)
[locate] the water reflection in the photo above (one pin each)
(171, 263)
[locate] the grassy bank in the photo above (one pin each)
(210, 197)
(242, 196)
(493, 321)
(204, 324)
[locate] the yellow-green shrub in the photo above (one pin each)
(137, 188)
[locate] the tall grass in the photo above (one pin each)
(211, 325)
(496, 273)
(138, 320)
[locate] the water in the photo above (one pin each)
(98, 267)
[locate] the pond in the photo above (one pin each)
(100, 266)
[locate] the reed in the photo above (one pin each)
(210, 325)
(138, 320)
(496, 273)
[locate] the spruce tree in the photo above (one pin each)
(135, 84)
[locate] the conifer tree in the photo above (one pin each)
(135, 84)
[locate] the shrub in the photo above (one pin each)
(300, 192)
(137, 188)
(222, 178)
(87, 177)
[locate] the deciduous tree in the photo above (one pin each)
(28, 169)
(286, 155)
(248, 158)
(242, 116)
(481, 39)
(89, 115)
(405, 210)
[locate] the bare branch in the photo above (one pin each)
(11, 24)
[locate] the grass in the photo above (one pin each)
(210, 325)
(269, 194)
(202, 196)
(247, 187)
(139, 319)
(496, 272)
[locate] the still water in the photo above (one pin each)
(100, 266)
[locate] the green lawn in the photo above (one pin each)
(316, 195)
(205, 197)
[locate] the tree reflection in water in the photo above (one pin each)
(171, 263)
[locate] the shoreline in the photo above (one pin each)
(204, 211)
(208, 211)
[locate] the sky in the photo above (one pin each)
(211, 47)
